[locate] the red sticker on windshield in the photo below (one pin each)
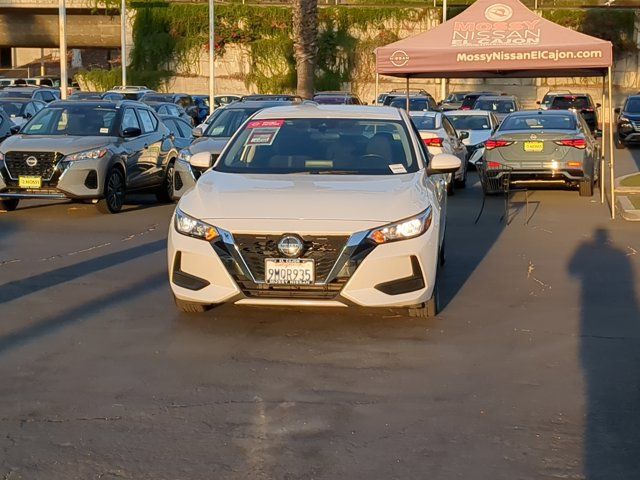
(265, 123)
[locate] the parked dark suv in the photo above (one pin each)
(628, 122)
(95, 151)
(581, 103)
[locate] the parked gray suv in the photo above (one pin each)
(92, 151)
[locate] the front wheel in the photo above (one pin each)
(9, 204)
(431, 307)
(114, 191)
(620, 145)
(166, 191)
(586, 187)
(191, 307)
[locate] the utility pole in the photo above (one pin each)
(62, 31)
(443, 82)
(123, 41)
(212, 46)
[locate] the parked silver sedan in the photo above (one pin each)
(545, 146)
(479, 124)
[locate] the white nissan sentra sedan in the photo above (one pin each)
(315, 205)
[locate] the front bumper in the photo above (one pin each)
(81, 179)
(357, 273)
(184, 178)
(542, 176)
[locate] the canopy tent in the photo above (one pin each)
(503, 40)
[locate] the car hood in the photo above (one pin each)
(54, 143)
(379, 198)
(631, 116)
(208, 144)
(476, 136)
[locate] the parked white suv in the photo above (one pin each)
(315, 205)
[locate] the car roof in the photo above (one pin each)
(313, 110)
(424, 113)
(522, 113)
(105, 103)
(469, 113)
(17, 99)
(497, 97)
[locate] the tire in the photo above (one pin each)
(114, 192)
(191, 307)
(450, 187)
(166, 190)
(431, 307)
(9, 204)
(442, 259)
(586, 187)
(620, 145)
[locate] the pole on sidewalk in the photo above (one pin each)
(603, 148)
(611, 159)
(62, 31)
(443, 82)
(123, 41)
(212, 72)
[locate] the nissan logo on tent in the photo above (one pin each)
(399, 58)
(498, 12)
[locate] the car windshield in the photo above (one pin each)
(155, 97)
(415, 104)
(470, 122)
(538, 122)
(320, 146)
(497, 106)
(13, 109)
(564, 103)
(469, 100)
(14, 94)
(424, 122)
(632, 105)
(227, 122)
(455, 97)
(76, 120)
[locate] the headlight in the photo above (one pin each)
(623, 119)
(86, 155)
(402, 230)
(192, 227)
(184, 155)
(1, 157)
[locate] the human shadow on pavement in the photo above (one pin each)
(19, 288)
(610, 357)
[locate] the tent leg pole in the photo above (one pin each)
(407, 95)
(378, 88)
(611, 159)
(603, 132)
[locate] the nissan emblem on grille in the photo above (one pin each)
(31, 161)
(290, 246)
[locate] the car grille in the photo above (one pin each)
(636, 125)
(309, 292)
(16, 164)
(324, 250)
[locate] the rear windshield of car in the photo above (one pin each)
(13, 109)
(330, 100)
(456, 97)
(632, 105)
(227, 122)
(424, 122)
(497, 106)
(469, 100)
(320, 146)
(77, 120)
(470, 122)
(538, 122)
(415, 104)
(567, 102)
(155, 98)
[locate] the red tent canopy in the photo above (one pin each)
(491, 39)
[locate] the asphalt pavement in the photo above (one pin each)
(532, 370)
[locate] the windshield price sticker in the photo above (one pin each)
(398, 168)
(262, 136)
(265, 123)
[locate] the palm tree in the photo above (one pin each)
(305, 44)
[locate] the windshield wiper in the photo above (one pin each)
(333, 172)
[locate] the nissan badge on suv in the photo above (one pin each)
(91, 151)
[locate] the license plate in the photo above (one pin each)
(533, 146)
(289, 271)
(30, 182)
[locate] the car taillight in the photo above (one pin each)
(465, 108)
(573, 142)
(491, 144)
(432, 142)
(493, 165)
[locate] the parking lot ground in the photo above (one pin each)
(532, 370)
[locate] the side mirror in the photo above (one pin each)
(538, 102)
(463, 135)
(131, 132)
(201, 160)
(617, 109)
(14, 129)
(197, 132)
(598, 105)
(28, 115)
(444, 163)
